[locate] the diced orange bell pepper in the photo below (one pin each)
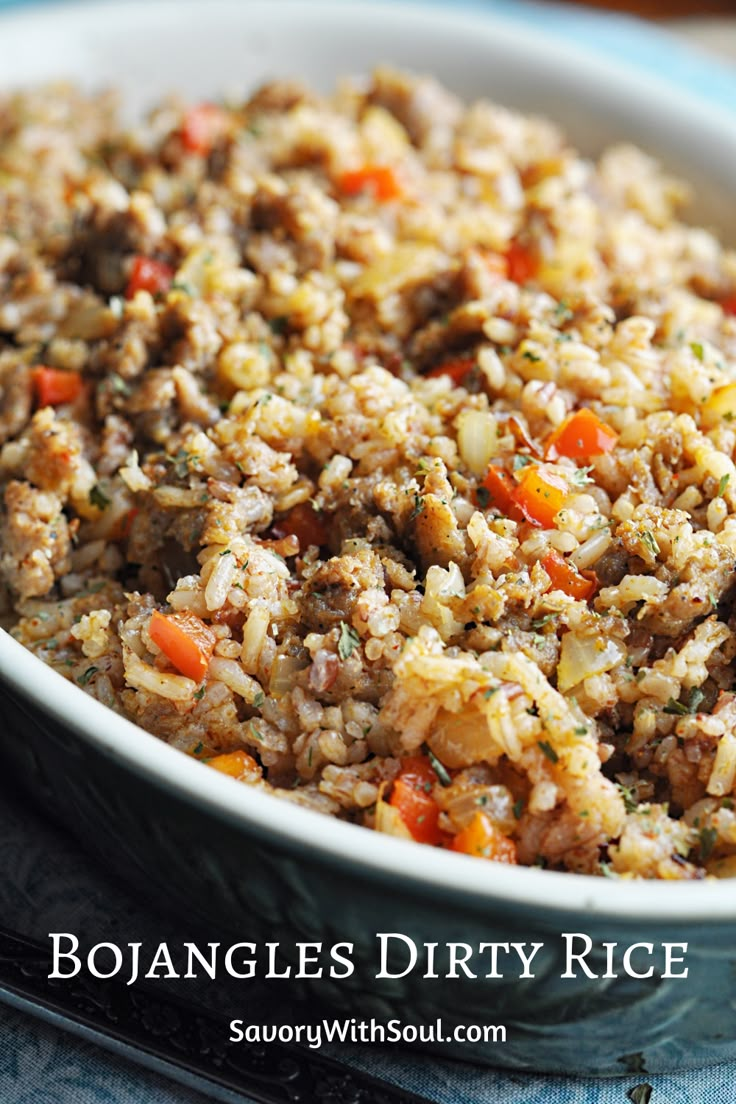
(202, 126)
(523, 264)
(185, 640)
(148, 274)
(412, 796)
(54, 387)
(501, 491)
(236, 764)
(482, 838)
(305, 523)
(566, 577)
(540, 495)
(456, 368)
(380, 180)
(580, 436)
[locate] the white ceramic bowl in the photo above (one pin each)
(253, 861)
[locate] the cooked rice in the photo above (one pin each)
(363, 303)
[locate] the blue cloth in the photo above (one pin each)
(44, 875)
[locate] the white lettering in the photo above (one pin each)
(58, 954)
(383, 939)
(570, 957)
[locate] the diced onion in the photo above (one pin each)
(477, 440)
(583, 656)
(388, 820)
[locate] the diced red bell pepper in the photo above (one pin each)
(523, 264)
(501, 491)
(566, 577)
(412, 796)
(203, 125)
(185, 640)
(54, 387)
(303, 522)
(380, 180)
(456, 368)
(148, 274)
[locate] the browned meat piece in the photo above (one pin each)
(334, 588)
(438, 537)
(35, 540)
(422, 106)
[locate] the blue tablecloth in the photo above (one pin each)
(46, 881)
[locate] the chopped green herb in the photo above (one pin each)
(198, 749)
(98, 498)
(722, 484)
(698, 350)
(439, 769)
(518, 808)
(530, 356)
(255, 733)
(490, 692)
(418, 507)
(84, 679)
(543, 620)
(581, 476)
(348, 642)
(562, 312)
(226, 552)
(259, 699)
(708, 837)
(483, 496)
(548, 750)
(676, 708)
(696, 697)
(181, 463)
(521, 461)
(581, 730)
(199, 694)
(629, 796)
(647, 538)
(119, 385)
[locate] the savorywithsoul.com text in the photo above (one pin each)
(396, 956)
(353, 1030)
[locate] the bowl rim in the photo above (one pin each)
(427, 870)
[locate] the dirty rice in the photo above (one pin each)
(300, 369)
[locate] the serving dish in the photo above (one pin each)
(247, 866)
